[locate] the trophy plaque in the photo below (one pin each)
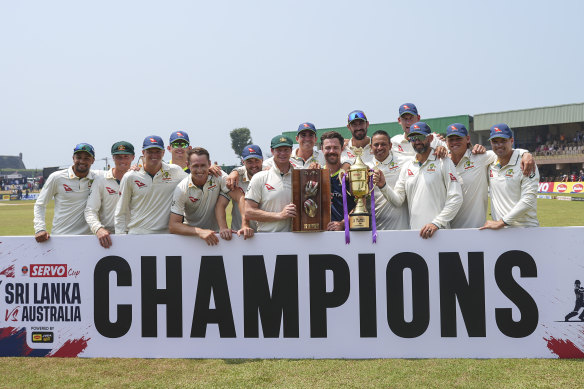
(311, 193)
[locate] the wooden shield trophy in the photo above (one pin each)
(311, 193)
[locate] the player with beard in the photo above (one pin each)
(104, 195)
(70, 188)
(472, 170)
(358, 124)
(268, 199)
(332, 146)
(386, 172)
(252, 158)
(146, 194)
(513, 196)
(429, 185)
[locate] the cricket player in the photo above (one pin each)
(513, 196)
(70, 189)
(332, 146)
(146, 194)
(268, 199)
(104, 194)
(195, 199)
(472, 170)
(252, 159)
(178, 146)
(358, 124)
(386, 172)
(305, 155)
(428, 183)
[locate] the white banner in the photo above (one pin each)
(463, 293)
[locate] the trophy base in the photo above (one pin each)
(360, 222)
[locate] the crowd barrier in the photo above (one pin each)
(460, 294)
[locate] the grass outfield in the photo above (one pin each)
(16, 219)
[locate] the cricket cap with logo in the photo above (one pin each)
(280, 141)
(84, 147)
(356, 115)
(122, 147)
(500, 131)
(456, 129)
(420, 128)
(306, 126)
(251, 151)
(179, 135)
(408, 108)
(153, 141)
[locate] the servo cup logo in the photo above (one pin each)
(48, 270)
(24, 270)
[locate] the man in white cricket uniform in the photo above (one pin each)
(513, 196)
(195, 199)
(305, 155)
(429, 184)
(252, 159)
(472, 170)
(70, 188)
(386, 173)
(401, 147)
(146, 194)
(268, 199)
(104, 194)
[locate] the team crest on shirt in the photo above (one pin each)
(110, 190)
(509, 173)
(392, 165)
(410, 173)
(270, 187)
(193, 200)
(431, 167)
(452, 177)
(67, 188)
(139, 183)
(468, 165)
(166, 176)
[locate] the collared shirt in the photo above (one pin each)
(403, 149)
(513, 196)
(296, 161)
(144, 204)
(388, 216)
(272, 191)
(102, 201)
(348, 155)
(432, 190)
(70, 193)
(242, 182)
(197, 204)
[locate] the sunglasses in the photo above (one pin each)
(179, 145)
(84, 147)
(357, 115)
(416, 138)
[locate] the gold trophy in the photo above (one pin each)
(358, 186)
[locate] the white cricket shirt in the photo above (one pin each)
(102, 201)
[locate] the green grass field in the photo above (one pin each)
(16, 219)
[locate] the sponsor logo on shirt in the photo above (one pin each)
(139, 183)
(67, 189)
(410, 173)
(110, 190)
(399, 148)
(431, 167)
(193, 200)
(491, 172)
(452, 177)
(509, 173)
(270, 187)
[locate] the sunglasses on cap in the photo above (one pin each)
(416, 138)
(357, 115)
(179, 145)
(84, 147)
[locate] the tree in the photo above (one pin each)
(240, 137)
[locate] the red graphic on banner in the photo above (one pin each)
(71, 348)
(577, 188)
(8, 272)
(564, 348)
(11, 314)
(562, 188)
(51, 270)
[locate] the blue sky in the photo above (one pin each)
(104, 71)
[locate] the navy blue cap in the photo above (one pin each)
(501, 131)
(356, 115)
(408, 108)
(84, 147)
(179, 135)
(306, 126)
(456, 129)
(251, 151)
(153, 141)
(420, 128)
